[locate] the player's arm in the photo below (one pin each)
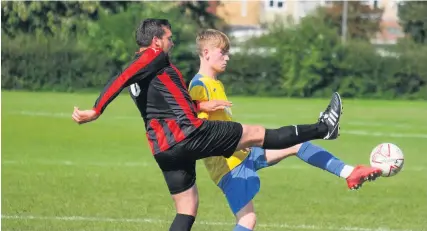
(200, 96)
(213, 105)
(148, 64)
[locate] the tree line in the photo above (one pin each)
(75, 46)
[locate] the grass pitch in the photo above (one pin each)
(58, 176)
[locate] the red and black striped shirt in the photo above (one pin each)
(160, 93)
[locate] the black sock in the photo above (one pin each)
(182, 222)
(286, 137)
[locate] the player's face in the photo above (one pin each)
(218, 59)
(165, 43)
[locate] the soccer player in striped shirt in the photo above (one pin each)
(177, 137)
(237, 175)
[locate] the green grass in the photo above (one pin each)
(58, 176)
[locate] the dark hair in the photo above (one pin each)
(150, 28)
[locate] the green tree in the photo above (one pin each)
(114, 35)
(52, 17)
(413, 17)
(201, 13)
(308, 55)
(362, 20)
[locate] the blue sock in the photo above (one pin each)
(323, 159)
(241, 228)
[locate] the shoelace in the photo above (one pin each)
(324, 115)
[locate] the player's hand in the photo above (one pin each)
(84, 116)
(246, 149)
(214, 105)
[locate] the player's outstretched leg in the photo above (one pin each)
(326, 128)
(321, 158)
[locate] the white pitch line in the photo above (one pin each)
(354, 123)
(381, 134)
(110, 164)
(72, 163)
(282, 165)
(210, 223)
(376, 124)
(63, 115)
(372, 133)
(345, 131)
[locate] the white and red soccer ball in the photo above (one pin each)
(387, 157)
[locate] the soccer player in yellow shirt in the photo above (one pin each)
(237, 175)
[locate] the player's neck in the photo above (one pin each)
(207, 71)
(142, 49)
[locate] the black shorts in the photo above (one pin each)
(212, 138)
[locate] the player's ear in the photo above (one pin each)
(206, 53)
(156, 41)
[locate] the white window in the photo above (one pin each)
(275, 4)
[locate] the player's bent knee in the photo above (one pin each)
(253, 135)
(295, 149)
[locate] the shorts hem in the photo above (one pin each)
(244, 204)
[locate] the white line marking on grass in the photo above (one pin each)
(283, 165)
(349, 132)
(382, 134)
(71, 163)
(210, 223)
(355, 123)
(63, 115)
(373, 133)
(376, 124)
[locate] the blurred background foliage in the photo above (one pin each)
(75, 46)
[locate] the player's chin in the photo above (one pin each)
(221, 69)
(167, 50)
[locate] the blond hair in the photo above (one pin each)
(213, 38)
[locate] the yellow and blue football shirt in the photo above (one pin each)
(204, 88)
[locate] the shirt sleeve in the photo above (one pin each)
(198, 92)
(148, 64)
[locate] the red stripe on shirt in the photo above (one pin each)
(150, 142)
(121, 80)
(177, 133)
(180, 99)
(160, 135)
(180, 76)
